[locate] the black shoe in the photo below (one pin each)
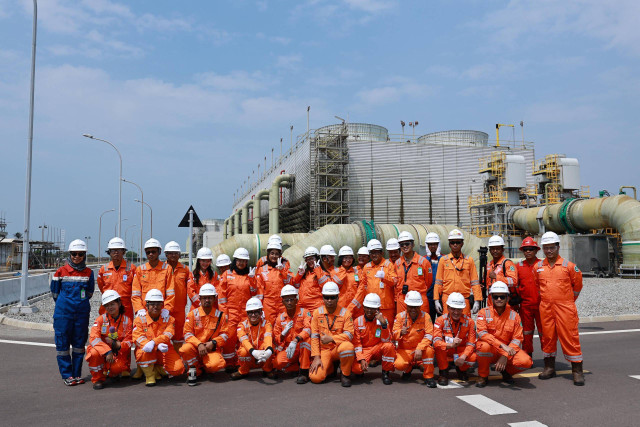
(98, 385)
(345, 381)
(482, 382)
(237, 376)
(360, 376)
(462, 375)
(406, 376)
(374, 363)
(273, 375)
(230, 369)
(443, 378)
(430, 382)
(385, 378)
(507, 378)
(303, 376)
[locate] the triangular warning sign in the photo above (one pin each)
(185, 219)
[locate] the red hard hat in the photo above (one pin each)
(529, 242)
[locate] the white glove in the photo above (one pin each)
(163, 348)
(141, 313)
(380, 273)
(252, 272)
(257, 354)
(148, 347)
(266, 354)
(317, 263)
(292, 349)
(438, 306)
(279, 265)
(287, 328)
(476, 307)
(164, 314)
(302, 268)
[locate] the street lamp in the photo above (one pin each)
(150, 210)
(141, 215)
(86, 135)
(100, 235)
(125, 235)
(413, 125)
(87, 238)
(42, 227)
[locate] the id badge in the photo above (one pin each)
(124, 277)
(381, 284)
(378, 333)
(357, 278)
(83, 294)
(419, 271)
(455, 356)
(448, 340)
(104, 329)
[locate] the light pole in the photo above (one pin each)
(141, 215)
(115, 226)
(150, 210)
(413, 125)
(125, 235)
(100, 235)
(402, 123)
(42, 227)
(87, 238)
(86, 135)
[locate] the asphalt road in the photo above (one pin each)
(32, 392)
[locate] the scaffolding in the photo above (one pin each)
(550, 168)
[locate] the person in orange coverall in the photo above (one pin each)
(109, 351)
(331, 338)
(117, 275)
(530, 294)
(414, 273)
(308, 280)
(413, 331)
(256, 342)
(152, 275)
(271, 277)
(180, 276)
(500, 338)
(503, 270)
(202, 273)
(348, 274)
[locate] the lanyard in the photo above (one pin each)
(254, 344)
(454, 264)
(406, 269)
(451, 326)
(332, 323)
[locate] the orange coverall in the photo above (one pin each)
(98, 348)
(385, 288)
(339, 326)
(271, 281)
(200, 328)
(530, 306)
(350, 280)
(147, 278)
(372, 341)
(257, 337)
(180, 276)
(310, 288)
(161, 332)
(560, 285)
(509, 276)
(193, 287)
(263, 260)
(419, 337)
(301, 328)
(457, 275)
(417, 275)
(120, 280)
(444, 331)
(494, 330)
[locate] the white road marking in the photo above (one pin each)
(486, 405)
(635, 376)
(39, 344)
(528, 424)
(618, 331)
(451, 385)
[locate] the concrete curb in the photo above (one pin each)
(9, 321)
(618, 318)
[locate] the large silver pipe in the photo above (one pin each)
(256, 244)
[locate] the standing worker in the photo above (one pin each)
(414, 273)
(393, 249)
(348, 275)
(501, 269)
(271, 278)
(530, 293)
(256, 342)
(363, 257)
(202, 273)
(432, 242)
(72, 287)
(117, 275)
(152, 275)
(307, 280)
(277, 241)
(560, 283)
(180, 276)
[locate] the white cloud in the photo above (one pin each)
(396, 89)
(288, 61)
(162, 24)
(371, 6)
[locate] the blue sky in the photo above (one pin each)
(196, 93)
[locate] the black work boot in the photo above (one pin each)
(443, 378)
(549, 370)
(578, 375)
(507, 378)
(482, 382)
(345, 380)
(303, 376)
(462, 375)
(430, 382)
(385, 378)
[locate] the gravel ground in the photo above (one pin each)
(621, 297)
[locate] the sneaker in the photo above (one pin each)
(78, 380)
(69, 381)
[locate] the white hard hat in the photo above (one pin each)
(274, 244)
(374, 245)
(109, 296)
(432, 238)
(310, 251)
(495, 241)
(327, 250)
(241, 253)
(204, 253)
(549, 237)
(78, 245)
(152, 243)
(275, 238)
(253, 304)
(172, 247)
(208, 290)
(363, 251)
(499, 288)
(223, 260)
(345, 250)
(405, 236)
(288, 290)
(154, 295)
(413, 299)
(372, 301)
(330, 288)
(116, 243)
(392, 244)
(456, 300)
(456, 234)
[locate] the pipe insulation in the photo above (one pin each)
(256, 244)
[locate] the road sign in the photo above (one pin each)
(185, 219)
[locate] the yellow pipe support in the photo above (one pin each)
(260, 195)
(285, 180)
(256, 244)
(631, 187)
(245, 216)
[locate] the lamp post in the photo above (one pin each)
(125, 235)
(100, 235)
(42, 227)
(141, 216)
(150, 210)
(413, 125)
(86, 135)
(87, 238)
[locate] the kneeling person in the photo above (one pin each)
(256, 342)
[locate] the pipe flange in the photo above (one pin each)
(564, 218)
(512, 212)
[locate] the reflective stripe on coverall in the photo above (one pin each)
(301, 327)
(457, 275)
(444, 331)
(419, 337)
(530, 306)
(160, 331)
(98, 348)
(257, 337)
(200, 328)
(120, 280)
(372, 341)
(339, 326)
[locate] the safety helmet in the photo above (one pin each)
(116, 243)
(78, 245)
(374, 245)
(310, 251)
(372, 301)
(330, 288)
(241, 253)
(529, 243)
(204, 253)
(208, 290)
(288, 290)
(274, 244)
(223, 260)
(172, 246)
(109, 296)
(253, 304)
(549, 237)
(154, 295)
(495, 241)
(152, 243)
(432, 238)
(392, 244)
(499, 288)
(345, 250)
(327, 250)
(413, 299)
(405, 236)
(456, 300)
(363, 251)
(275, 238)
(456, 234)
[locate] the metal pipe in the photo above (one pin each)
(256, 244)
(631, 187)
(260, 195)
(285, 180)
(236, 223)
(141, 217)
(245, 216)
(225, 230)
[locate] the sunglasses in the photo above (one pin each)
(529, 249)
(151, 252)
(499, 296)
(403, 244)
(330, 297)
(74, 254)
(457, 242)
(254, 313)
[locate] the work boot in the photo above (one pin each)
(507, 378)
(150, 375)
(430, 382)
(138, 374)
(192, 378)
(272, 375)
(125, 374)
(237, 376)
(345, 380)
(374, 363)
(549, 370)
(98, 385)
(303, 376)
(482, 382)
(230, 369)
(462, 375)
(406, 376)
(443, 378)
(578, 375)
(385, 378)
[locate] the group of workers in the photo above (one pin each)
(408, 311)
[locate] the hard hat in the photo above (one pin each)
(372, 301)
(495, 241)
(172, 247)
(499, 288)
(345, 250)
(274, 244)
(529, 243)
(208, 290)
(241, 253)
(330, 288)
(413, 299)
(363, 251)
(253, 304)
(456, 300)
(116, 243)
(288, 290)
(432, 238)
(456, 234)
(109, 296)
(392, 244)
(327, 250)
(223, 260)
(549, 237)
(275, 238)
(152, 243)
(154, 295)
(405, 236)
(374, 245)
(203, 253)
(310, 251)
(78, 245)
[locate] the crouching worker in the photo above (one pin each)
(109, 351)
(152, 334)
(292, 332)
(256, 342)
(205, 333)
(454, 339)
(500, 338)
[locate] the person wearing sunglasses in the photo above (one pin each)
(530, 293)
(72, 287)
(502, 269)
(432, 242)
(414, 273)
(499, 333)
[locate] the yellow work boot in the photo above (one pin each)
(138, 374)
(160, 372)
(150, 375)
(125, 374)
